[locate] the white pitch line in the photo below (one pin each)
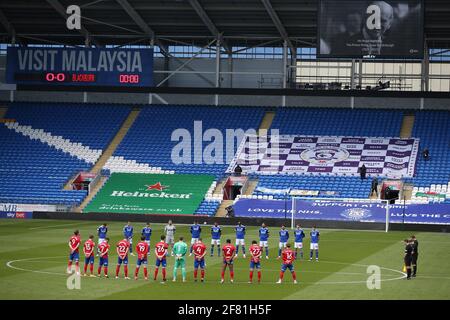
(9, 265)
(59, 225)
(403, 275)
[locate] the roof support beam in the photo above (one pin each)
(208, 22)
(277, 22)
(136, 17)
(142, 25)
(62, 11)
(8, 26)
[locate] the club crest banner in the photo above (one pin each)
(328, 155)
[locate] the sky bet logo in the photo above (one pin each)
(13, 215)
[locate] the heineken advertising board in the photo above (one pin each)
(151, 193)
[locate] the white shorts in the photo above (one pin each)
(194, 240)
(215, 241)
(282, 245)
(240, 242)
(147, 242)
(264, 244)
(314, 246)
(170, 239)
(298, 245)
(101, 240)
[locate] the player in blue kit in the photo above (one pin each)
(196, 230)
(284, 236)
(216, 233)
(128, 234)
(147, 234)
(315, 235)
(298, 244)
(101, 232)
(264, 238)
(240, 238)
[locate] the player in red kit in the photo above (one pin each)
(74, 244)
(88, 249)
(142, 252)
(103, 249)
(228, 258)
(123, 246)
(199, 250)
(255, 260)
(161, 254)
(288, 258)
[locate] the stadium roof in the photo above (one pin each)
(242, 23)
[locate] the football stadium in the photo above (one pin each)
(224, 150)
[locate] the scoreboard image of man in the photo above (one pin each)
(373, 29)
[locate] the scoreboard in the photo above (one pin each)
(80, 66)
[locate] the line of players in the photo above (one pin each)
(179, 250)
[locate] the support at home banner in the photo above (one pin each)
(327, 155)
(151, 193)
(343, 211)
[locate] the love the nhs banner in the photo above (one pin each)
(79, 66)
(343, 211)
(296, 154)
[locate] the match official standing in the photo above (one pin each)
(415, 255)
(408, 257)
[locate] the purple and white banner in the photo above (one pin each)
(295, 154)
(343, 211)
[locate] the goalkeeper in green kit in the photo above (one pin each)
(179, 250)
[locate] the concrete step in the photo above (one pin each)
(407, 126)
(219, 186)
(251, 187)
(221, 212)
(407, 190)
(127, 124)
(266, 122)
(92, 194)
(112, 146)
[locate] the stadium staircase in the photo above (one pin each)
(47, 143)
(264, 127)
(407, 125)
(127, 124)
(221, 212)
(266, 122)
(406, 132)
(91, 195)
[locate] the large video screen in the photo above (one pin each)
(370, 29)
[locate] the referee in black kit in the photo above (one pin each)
(415, 255)
(408, 257)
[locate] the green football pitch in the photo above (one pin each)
(33, 261)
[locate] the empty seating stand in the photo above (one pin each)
(433, 130)
(150, 138)
(55, 141)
